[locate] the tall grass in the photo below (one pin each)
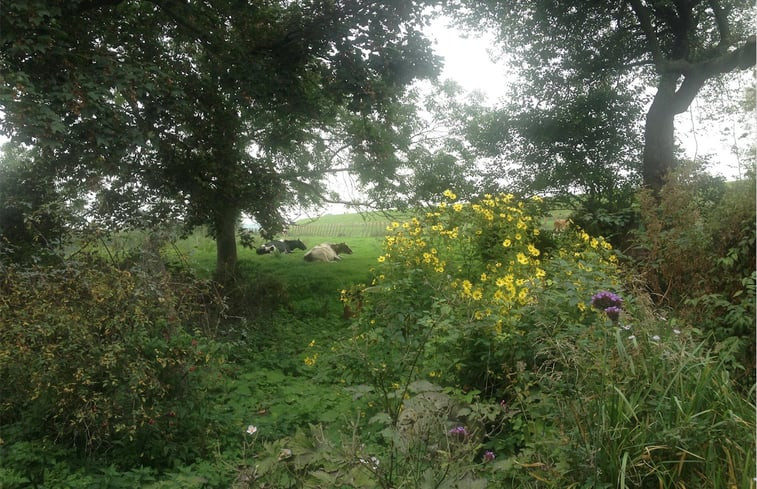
(646, 406)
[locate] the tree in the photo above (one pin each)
(209, 109)
(670, 48)
(427, 151)
(32, 217)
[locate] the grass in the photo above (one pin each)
(274, 389)
(292, 313)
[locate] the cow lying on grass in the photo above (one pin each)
(327, 252)
(286, 246)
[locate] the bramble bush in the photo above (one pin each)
(102, 361)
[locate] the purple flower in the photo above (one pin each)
(613, 312)
(489, 456)
(458, 432)
(604, 299)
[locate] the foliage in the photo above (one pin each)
(451, 287)
(582, 140)
(205, 110)
(102, 361)
(639, 403)
(32, 216)
(573, 397)
(436, 444)
(588, 91)
(594, 390)
(704, 231)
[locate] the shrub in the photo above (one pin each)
(99, 359)
(452, 287)
(696, 251)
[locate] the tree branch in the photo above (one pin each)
(697, 74)
(721, 18)
(182, 21)
(645, 21)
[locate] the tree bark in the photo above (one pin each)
(226, 244)
(659, 130)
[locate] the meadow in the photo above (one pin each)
(480, 350)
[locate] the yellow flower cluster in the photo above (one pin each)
(482, 252)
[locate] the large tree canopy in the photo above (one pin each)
(212, 107)
(652, 54)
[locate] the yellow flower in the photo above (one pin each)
(581, 306)
(518, 236)
(477, 295)
(594, 243)
(457, 207)
(450, 195)
(395, 224)
(522, 259)
(532, 250)
(310, 361)
(483, 277)
(506, 243)
(382, 259)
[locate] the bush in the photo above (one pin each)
(452, 288)
(696, 251)
(100, 360)
(488, 354)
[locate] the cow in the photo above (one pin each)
(327, 252)
(285, 246)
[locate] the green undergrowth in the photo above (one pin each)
(467, 350)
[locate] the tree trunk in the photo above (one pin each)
(659, 139)
(226, 244)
